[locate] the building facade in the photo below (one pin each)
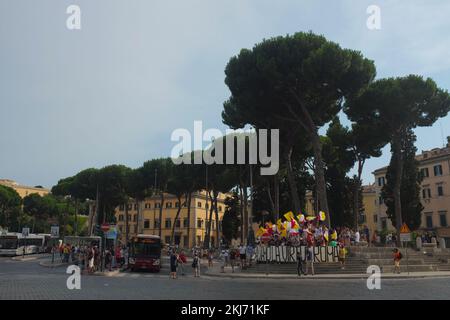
(147, 221)
(434, 166)
(22, 190)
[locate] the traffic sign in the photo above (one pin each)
(25, 232)
(405, 237)
(404, 229)
(105, 227)
(54, 230)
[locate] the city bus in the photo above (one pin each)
(145, 253)
(15, 244)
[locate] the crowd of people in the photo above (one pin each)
(89, 257)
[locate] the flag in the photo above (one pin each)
(301, 218)
(284, 233)
(334, 235)
(310, 218)
(322, 216)
(260, 232)
(294, 224)
(289, 216)
(325, 235)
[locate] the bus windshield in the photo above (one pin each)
(142, 248)
(8, 242)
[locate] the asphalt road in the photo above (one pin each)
(29, 280)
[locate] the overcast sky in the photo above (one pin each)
(114, 91)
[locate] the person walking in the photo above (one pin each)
(181, 261)
(232, 259)
(342, 255)
(173, 265)
(243, 255)
(210, 258)
(397, 257)
(300, 264)
(196, 265)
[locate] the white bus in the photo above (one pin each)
(15, 244)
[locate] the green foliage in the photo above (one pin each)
(231, 220)
(10, 202)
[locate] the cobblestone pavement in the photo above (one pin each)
(28, 280)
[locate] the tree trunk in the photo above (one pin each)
(160, 213)
(356, 189)
(188, 204)
(292, 184)
(269, 195)
(138, 217)
(175, 221)
(241, 213)
(397, 153)
(208, 226)
(126, 223)
(217, 221)
(277, 196)
(319, 173)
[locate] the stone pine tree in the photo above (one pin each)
(410, 186)
(394, 106)
(299, 80)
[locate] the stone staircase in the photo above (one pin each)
(360, 258)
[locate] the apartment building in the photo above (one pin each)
(434, 166)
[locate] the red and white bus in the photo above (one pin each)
(145, 253)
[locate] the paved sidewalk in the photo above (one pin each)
(215, 271)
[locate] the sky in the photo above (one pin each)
(114, 91)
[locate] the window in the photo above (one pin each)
(429, 221)
(375, 218)
(147, 224)
(129, 217)
(129, 207)
(380, 200)
(185, 223)
(440, 191)
(168, 224)
(135, 229)
(157, 205)
(121, 207)
(220, 208)
(135, 218)
(120, 217)
(135, 206)
(147, 206)
(199, 223)
(157, 224)
(438, 170)
(199, 204)
(168, 204)
(167, 239)
(381, 181)
(424, 172)
(186, 241)
(177, 204)
(426, 193)
(383, 223)
(177, 223)
(443, 218)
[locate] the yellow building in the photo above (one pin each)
(22, 190)
(434, 166)
(147, 222)
(369, 218)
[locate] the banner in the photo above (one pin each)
(288, 254)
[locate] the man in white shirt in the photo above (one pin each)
(357, 237)
(242, 255)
